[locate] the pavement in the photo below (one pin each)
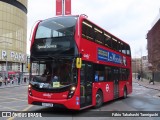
(15, 84)
(145, 83)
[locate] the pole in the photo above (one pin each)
(6, 67)
(22, 77)
(135, 67)
(141, 66)
(63, 9)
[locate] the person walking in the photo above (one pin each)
(1, 80)
(152, 79)
(5, 81)
(18, 80)
(139, 76)
(25, 80)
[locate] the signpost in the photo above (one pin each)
(63, 7)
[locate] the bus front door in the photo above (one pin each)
(86, 85)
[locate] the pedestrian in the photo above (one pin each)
(14, 79)
(24, 79)
(5, 80)
(152, 79)
(1, 80)
(18, 80)
(139, 76)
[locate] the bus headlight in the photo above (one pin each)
(29, 86)
(71, 92)
(30, 89)
(73, 88)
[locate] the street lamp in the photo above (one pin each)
(141, 66)
(6, 65)
(135, 68)
(135, 65)
(140, 62)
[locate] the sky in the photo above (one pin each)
(129, 20)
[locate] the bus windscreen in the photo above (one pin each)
(55, 34)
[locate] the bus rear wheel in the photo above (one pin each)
(99, 99)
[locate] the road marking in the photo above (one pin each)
(12, 98)
(27, 108)
(11, 95)
(20, 106)
(11, 118)
(10, 108)
(1, 103)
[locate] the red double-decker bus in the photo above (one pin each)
(76, 64)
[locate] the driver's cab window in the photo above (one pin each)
(55, 73)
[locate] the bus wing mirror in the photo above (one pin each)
(79, 62)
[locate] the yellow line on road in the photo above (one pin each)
(10, 108)
(27, 108)
(20, 106)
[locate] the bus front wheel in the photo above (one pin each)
(99, 99)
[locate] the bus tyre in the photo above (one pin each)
(99, 99)
(125, 93)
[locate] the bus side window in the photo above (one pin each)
(108, 73)
(99, 38)
(99, 76)
(114, 44)
(123, 47)
(83, 74)
(128, 50)
(124, 74)
(87, 30)
(119, 46)
(107, 40)
(115, 74)
(99, 73)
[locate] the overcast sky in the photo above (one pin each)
(129, 20)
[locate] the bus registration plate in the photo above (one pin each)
(47, 104)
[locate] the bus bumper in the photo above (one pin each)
(72, 103)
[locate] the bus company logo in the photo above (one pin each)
(47, 95)
(107, 56)
(86, 56)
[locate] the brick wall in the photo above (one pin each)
(153, 46)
